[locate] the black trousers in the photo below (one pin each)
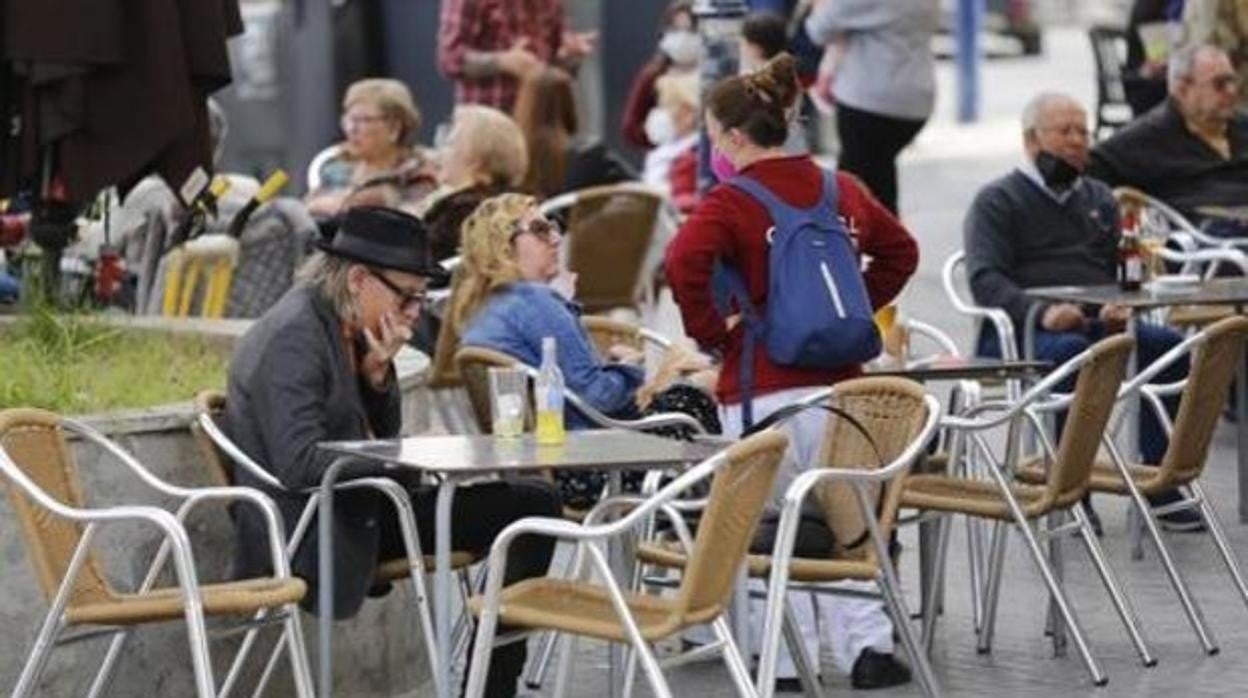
(870, 143)
(478, 514)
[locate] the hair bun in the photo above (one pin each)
(777, 80)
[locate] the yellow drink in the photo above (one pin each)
(550, 431)
(1151, 247)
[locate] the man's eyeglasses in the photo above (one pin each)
(1221, 83)
(408, 300)
(1067, 130)
(540, 228)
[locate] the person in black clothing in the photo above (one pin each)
(1045, 224)
(319, 367)
(1191, 151)
(1144, 81)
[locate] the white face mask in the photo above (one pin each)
(683, 47)
(660, 128)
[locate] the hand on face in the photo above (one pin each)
(392, 333)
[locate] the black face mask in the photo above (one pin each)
(1057, 174)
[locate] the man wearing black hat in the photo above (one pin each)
(317, 367)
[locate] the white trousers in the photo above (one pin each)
(844, 625)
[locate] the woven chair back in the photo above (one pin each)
(609, 232)
(1096, 390)
(1212, 370)
(892, 410)
(738, 493)
(34, 441)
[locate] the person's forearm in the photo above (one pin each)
(481, 64)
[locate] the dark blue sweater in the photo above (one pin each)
(1018, 236)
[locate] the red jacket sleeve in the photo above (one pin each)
(705, 237)
(641, 99)
(890, 252)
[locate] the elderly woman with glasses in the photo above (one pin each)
(504, 300)
(379, 163)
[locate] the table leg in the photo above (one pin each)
(442, 586)
(325, 577)
(615, 558)
(1241, 430)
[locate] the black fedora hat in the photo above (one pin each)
(385, 238)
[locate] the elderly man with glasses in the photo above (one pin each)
(1048, 223)
(319, 366)
(1190, 151)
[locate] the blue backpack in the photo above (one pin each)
(818, 313)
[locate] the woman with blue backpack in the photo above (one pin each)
(777, 271)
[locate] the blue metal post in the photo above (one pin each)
(970, 18)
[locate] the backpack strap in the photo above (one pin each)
(728, 288)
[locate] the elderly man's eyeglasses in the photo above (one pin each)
(1067, 130)
(408, 300)
(540, 228)
(1221, 83)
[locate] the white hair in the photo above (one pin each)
(1183, 63)
(1038, 104)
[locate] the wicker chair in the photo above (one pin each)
(901, 419)
(611, 233)
(607, 332)
(222, 454)
(1217, 351)
(743, 477)
(36, 458)
(1004, 501)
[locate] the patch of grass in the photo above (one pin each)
(75, 364)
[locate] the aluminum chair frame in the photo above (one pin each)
(1140, 387)
(401, 502)
(176, 542)
(591, 539)
(535, 673)
(1190, 237)
(1011, 414)
(786, 536)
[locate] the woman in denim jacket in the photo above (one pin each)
(506, 301)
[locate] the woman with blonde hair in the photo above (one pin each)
(504, 301)
(379, 163)
(485, 156)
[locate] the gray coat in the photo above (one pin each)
(291, 387)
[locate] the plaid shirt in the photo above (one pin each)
(495, 25)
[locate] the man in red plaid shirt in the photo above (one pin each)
(488, 46)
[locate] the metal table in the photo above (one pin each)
(456, 459)
(1224, 291)
(952, 368)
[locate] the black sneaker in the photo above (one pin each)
(789, 685)
(1183, 521)
(878, 670)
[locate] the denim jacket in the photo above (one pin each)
(514, 321)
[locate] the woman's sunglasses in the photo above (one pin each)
(540, 228)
